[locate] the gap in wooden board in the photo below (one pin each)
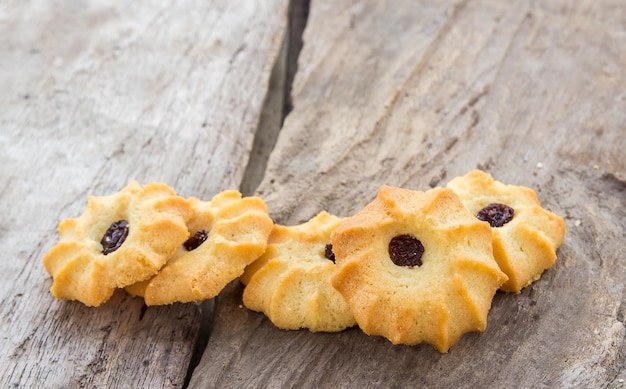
(276, 106)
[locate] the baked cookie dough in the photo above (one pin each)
(525, 236)
(416, 267)
(119, 240)
(290, 283)
(227, 234)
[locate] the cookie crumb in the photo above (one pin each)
(539, 165)
(578, 222)
(596, 167)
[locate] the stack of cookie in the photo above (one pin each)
(157, 245)
(413, 267)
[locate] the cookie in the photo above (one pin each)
(290, 283)
(118, 240)
(227, 234)
(525, 236)
(416, 267)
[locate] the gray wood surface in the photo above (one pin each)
(413, 93)
(405, 93)
(95, 94)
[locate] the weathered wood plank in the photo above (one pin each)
(413, 93)
(93, 95)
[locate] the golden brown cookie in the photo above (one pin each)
(118, 240)
(525, 236)
(416, 267)
(227, 234)
(290, 283)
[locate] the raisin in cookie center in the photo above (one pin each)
(496, 214)
(196, 240)
(406, 250)
(328, 252)
(114, 236)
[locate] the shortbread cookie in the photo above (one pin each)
(416, 267)
(118, 240)
(227, 234)
(290, 283)
(525, 236)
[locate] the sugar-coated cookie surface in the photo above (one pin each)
(290, 283)
(445, 279)
(525, 242)
(227, 233)
(119, 240)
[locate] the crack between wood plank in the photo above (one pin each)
(276, 106)
(298, 17)
(277, 103)
(268, 127)
(202, 340)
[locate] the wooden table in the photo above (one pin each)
(404, 93)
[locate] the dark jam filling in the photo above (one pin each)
(114, 236)
(406, 250)
(496, 214)
(196, 240)
(328, 252)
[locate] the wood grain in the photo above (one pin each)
(413, 93)
(95, 94)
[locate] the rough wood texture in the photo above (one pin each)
(95, 94)
(413, 93)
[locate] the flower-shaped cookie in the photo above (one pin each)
(525, 236)
(118, 240)
(416, 267)
(227, 234)
(290, 283)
